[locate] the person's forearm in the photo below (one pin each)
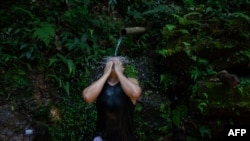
(91, 92)
(132, 89)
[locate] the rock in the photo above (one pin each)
(15, 126)
(215, 105)
(12, 125)
(228, 79)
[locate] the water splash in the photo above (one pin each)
(146, 75)
(118, 45)
(123, 59)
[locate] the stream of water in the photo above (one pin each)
(118, 45)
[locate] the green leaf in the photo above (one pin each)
(166, 79)
(66, 87)
(24, 11)
(205, 95)
(180, 19)
(195, 73)
(163, 52)
(241, 15)
(45, 32)
(52, 61)
(203, 61)
(69, 63)
(184, 31)
(170, 27)
(178, 114)
(192, 14)
(71, 66)
(156, 10)
(136, 14)
(185, 21)
(186, 44)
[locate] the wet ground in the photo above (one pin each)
(13, 125)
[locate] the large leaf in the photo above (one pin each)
(69, 63)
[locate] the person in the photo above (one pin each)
(115, 96)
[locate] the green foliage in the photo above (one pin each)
(165, 115)
(77, 121)
(68, 63)
(42, 112)
(14, 82)
(201, 74)
(179, 114)
(145, 118)
(202, 34)
(203, 103)
(205, 131)
(62, 39)
(130, 71)
(189, 3)
(167, 80)
(44, 32)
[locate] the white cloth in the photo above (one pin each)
(98, 138)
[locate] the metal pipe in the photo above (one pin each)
(132, 30)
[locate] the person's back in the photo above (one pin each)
(115, 114)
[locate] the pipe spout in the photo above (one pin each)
(132, 30)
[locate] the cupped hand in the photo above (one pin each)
(118, 66)
(108, 67)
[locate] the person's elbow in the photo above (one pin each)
(136, 93)
(86, 97)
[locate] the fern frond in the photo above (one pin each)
(45, 32)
